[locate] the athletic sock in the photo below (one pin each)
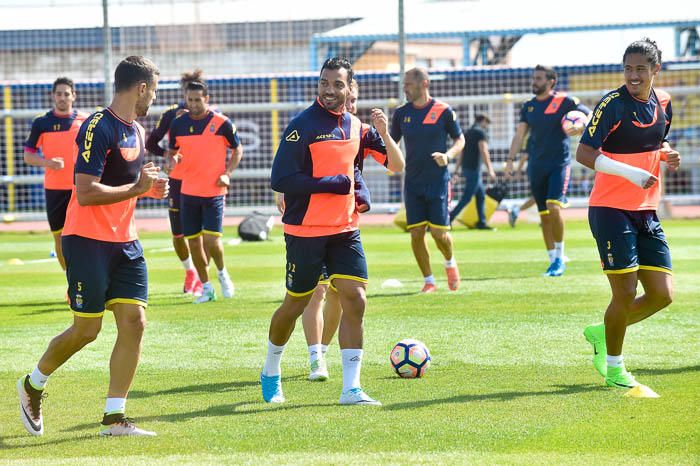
(614, 361)
(429, 280)
(352, 364)
(274, 358)
(223, 273)
(187, 263)
(38, 380)
(115, 405)
(324, 349)
(315, 352)
(552, 253)
(451, 263)
(559, 250)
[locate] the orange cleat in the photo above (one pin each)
(452, 277)
(428, 288)
(191, 282)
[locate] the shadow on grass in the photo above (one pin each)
(671, 370)
(558, 390)
(47, 310)
(220, 387)
(42, 304)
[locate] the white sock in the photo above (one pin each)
(37, 379)
(429, 279)
(223, 272)
(352, 363)
(614, 361)
(115, 405)
(451, 263)
(315, 352)
(552, 253)
(207, 286)
(324, 349)
(559, 250)
(274, 358)
(187, 263)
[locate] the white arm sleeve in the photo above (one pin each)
(634, 175)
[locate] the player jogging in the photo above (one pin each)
(54, 133)
(625, 142)
(104, 258)
(314, 168)
(425, 123)
(199, 141)
(192, 283)
(549, 162)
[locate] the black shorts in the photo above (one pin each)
(174, 207)
(342, 255)
(101, 273)
(56, 206)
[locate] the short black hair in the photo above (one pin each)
(63, 80)
(549, 72)
(197, 86)
(188, 77)
(646, 47)
(133, 70)
(337, 63)
(481, 117)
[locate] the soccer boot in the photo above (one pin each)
(452, 277)
(272, 388)
(227, 288)
(429, 288)
(513, 213)
(198, 287)
(620, 378)
(319, 371)
(357, 396)
(116, 425)
(30, 400)
(556, 268)
(191, 280)
(484, 226)
(595, 335)
(208, 294)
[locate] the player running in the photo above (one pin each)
(426, 123)
(625, 142)
(54, 133)
(549, 162)
(192, 283)
(104, 258)
(314, 168)
(199, 141)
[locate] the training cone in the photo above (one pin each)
(642, 391)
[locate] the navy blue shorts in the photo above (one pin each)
(427, 204)
(102, 273)
(342, 255)
(324, 278)
(174, 207)
(629, 240)
(56, 206)
(549, 185)
(202, 215)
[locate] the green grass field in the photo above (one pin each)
(511, 380)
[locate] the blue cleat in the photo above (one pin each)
(272, 388)
(556, 268)
(513, 213)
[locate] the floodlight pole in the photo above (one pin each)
(402, 51)
(107, 52)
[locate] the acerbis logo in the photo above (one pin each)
(293, 136)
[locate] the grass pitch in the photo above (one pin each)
(511, 380)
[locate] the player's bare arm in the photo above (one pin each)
(670, 156)
(35, 160)
(225, 178)
(442, 159)
(515, 146)
(395, 158)
(486, 157)
(90, 191)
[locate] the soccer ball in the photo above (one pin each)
(574, 119)
(410, 358)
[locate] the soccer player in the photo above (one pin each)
(192, 283)
(320, 321)
(624, 143)
(200, 140)
(476, 149)
(54, 133)
(425, 123)
(549, 162)
(314, 168)
(104, 259)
